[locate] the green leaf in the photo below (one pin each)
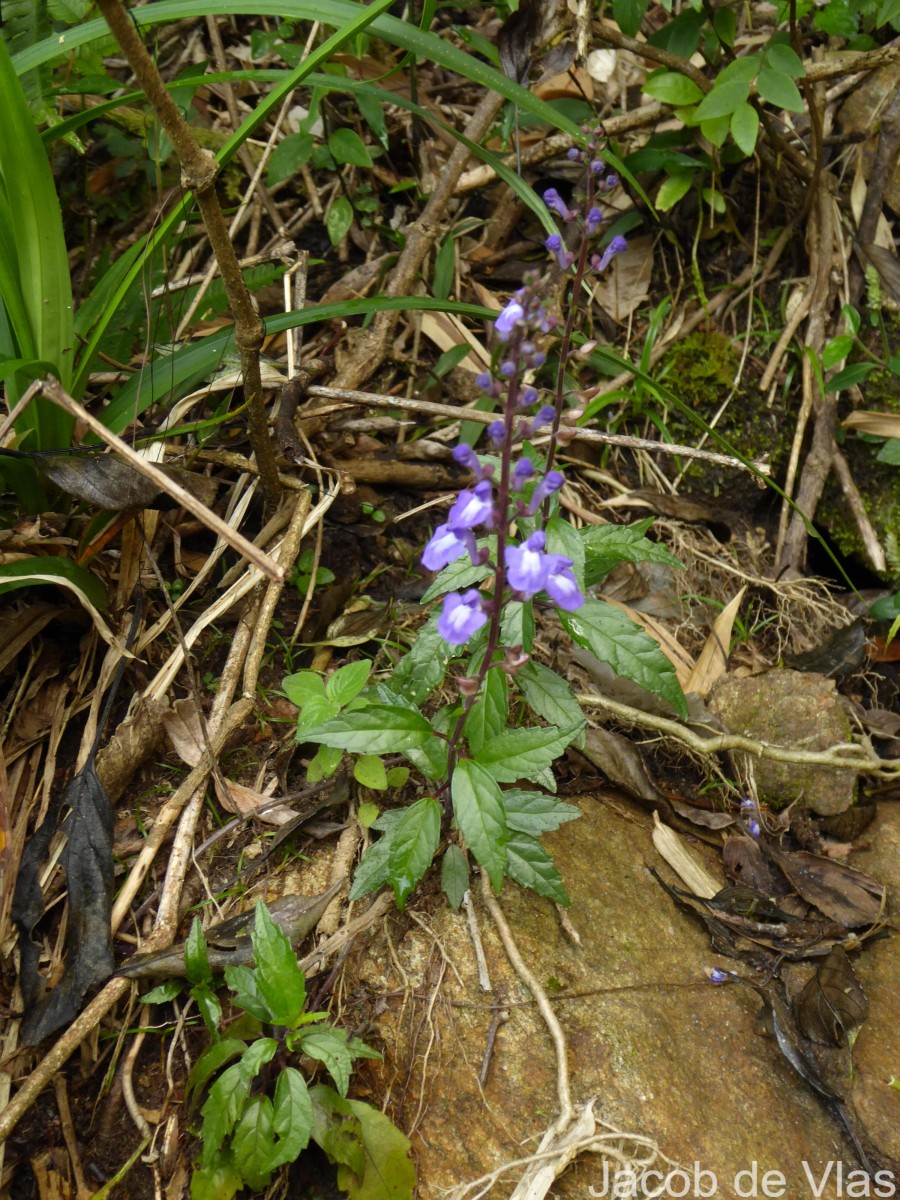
(414, 842)
(723, 100)
(851, 318)
(745, 68)
(338, 219)
(253, 1143)
(632, 653)
(836, 349)
(725, 24)
(257, 1054)
(291, 153)
(459, 575)
(628, 15)
(563, 539)
(329, 1046)
(442, 276)
(517, 625)
(315, 710)
(716, 129)
(368, 770)
(196, 963)
(606, 546)
(454, 876)
(532, 867)
(855, 373)
(780, 57)
(209, 1062)
(219, 1179)
(323, 764)
(337, 1129)
(421, 670)
(890, 452)
(53, 569)
(378, 729)
(780, 90)
(535, 813)
(521, 753)
(303, 687)
(550, 697)
(672, 189)
(223, 1106)
(388, 1173)
(245, 993)
(671, 87)
(163, 992)
(397, 777)
(348, 682)
(488, 715)
(372, 872)
(481, 817)
(279, 979)
(347, 146)
(209, 1006)
(293, 1116)
(745, 128)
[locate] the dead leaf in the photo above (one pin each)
(692, 874)
(184, 731)
(833, 1004)
(621, 763)
(880, 424)
(626, 284)
(517, 37)
(447, 331)
(713, 660)
(244, 801)
(845, 895)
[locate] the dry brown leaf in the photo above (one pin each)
(243, 801)
(183, 729)
(626, 284)
(676, 654)
(692, 874)
(447, 331)
(713, 660)
(879, 424)
(575, 83)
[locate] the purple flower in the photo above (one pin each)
(551, 483)
(484, 381)
(556, 204)
(526, 565)
(593, 220)
(562, 586)
(753, 828)
(523, 470)
(509, 318)
(542, 417)
(508, 369)
(495, 432)
(717, 976)
(528, 397)
(462, 616)
(466, 457)
(573, 154)
(474, 506)
(445, 546)
(556, 246)
(616, 246)
(597, 166)
(748, 805)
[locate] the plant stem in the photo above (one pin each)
(198, 173)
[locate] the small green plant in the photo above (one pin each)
(259, 1112)
(301, 576)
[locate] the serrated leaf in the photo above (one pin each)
(672, 189)
(329, 1046)
(347, 146)
(279, 979)
(521, 753)
(223, 1106)
(210, 1008)
(671, 87)
(517, 625)
(420, 671)
(535, 813)
(336, 1129)
(779, 89)
(372, 872)
(315, 711)
(414, 842)
(196, 963)
(208, 1064)
(745, 128)
(723, 100)
(253, 1143)
(377, 729)
(292, 1117)
(629, 651)
(245, 993)
(347, 682)
(163, 992)
(563, 539)
(303, 686)
(368, 770)
(532, 867)
(217, 1180)
(488, 715)
(388, 1173)
(338, 219)
(550, 697)
(257, 1054)
(481, 817)
(454, 876)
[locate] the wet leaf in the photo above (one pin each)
(833, 1004)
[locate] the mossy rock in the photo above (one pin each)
(797, 710)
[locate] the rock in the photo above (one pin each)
(792, 709)
(668, 1055)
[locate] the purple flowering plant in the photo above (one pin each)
(501, 557)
